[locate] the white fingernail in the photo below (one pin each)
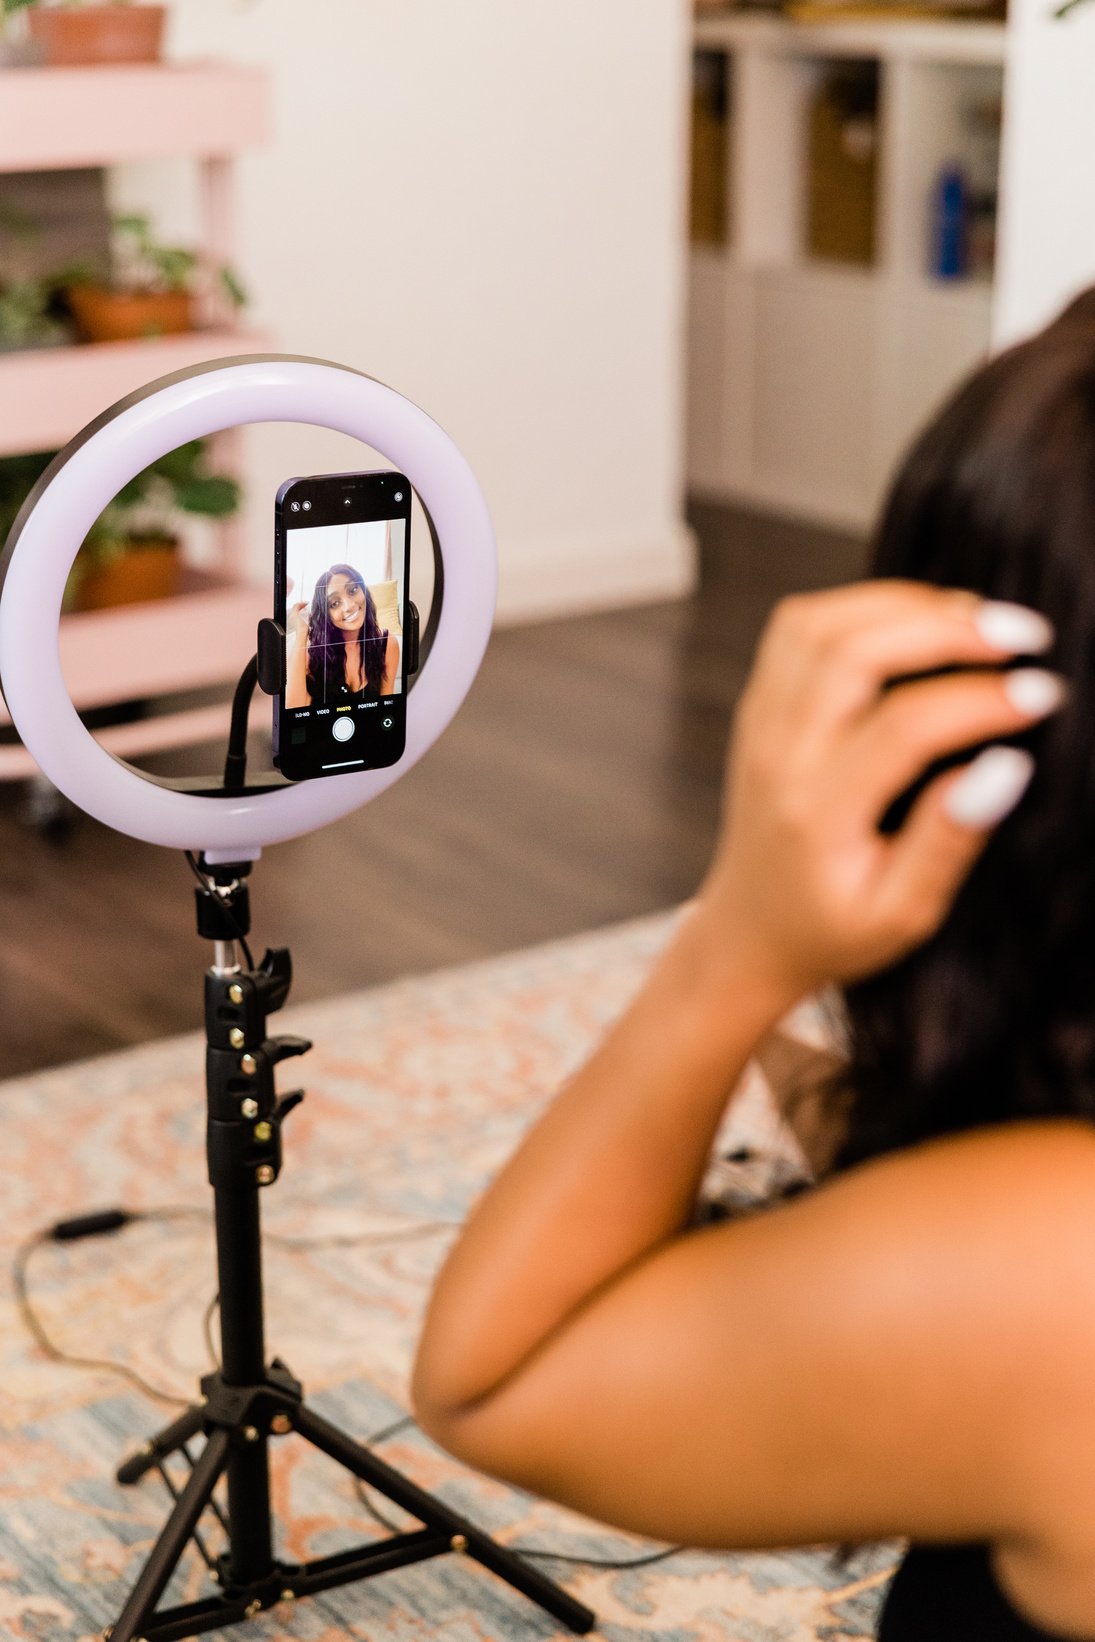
(1033, 690)
(991, 786)
(1013, 627)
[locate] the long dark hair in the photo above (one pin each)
(327, 643)
(993, 1018)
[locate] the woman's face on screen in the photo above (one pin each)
(345, 603)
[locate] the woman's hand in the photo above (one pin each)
(296, 622)
(802, 880)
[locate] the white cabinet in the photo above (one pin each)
(808, 378)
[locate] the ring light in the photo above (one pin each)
(118, 445)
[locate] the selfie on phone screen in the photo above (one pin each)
(342, 561)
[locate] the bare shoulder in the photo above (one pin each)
(1016, 1203)
(1000, 1221)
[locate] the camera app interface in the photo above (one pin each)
(345, 605)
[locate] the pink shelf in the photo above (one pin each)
(52, 118)
(146, 735)
(48, 394)
(136, 651)
(73, 118)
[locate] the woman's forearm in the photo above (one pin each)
(609, 1173)
(296, 680)
(391, 667)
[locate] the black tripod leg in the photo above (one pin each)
(508, 1565)
(173, 1538)
(161, 1446)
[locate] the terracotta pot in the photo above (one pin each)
(145, 571)
(77, 35)
(103, 315)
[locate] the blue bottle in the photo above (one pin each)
(950, 224)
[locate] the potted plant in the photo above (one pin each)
(147, 289)
(75, 34)
(131, 554)
(30, 313)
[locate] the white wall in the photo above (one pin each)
(1046, 247)
(481, 204)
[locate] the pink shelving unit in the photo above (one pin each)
(48, 394)
(53, 119)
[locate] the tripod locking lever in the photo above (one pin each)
(276, 1049)
(286, 1103)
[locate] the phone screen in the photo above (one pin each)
(342, 559)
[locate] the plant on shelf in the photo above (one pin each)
(132, 552)
(29, 307)
(145, 289)
(26, 317)
(78, 33)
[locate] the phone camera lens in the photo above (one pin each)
(306, 506)
(347, 501)
(295, 506)
(399, 495)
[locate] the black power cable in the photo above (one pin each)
(235, 760)
(112, 1220)
(210, 888)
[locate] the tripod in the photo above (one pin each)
(245, 1402)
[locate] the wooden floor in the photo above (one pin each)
(578, 785)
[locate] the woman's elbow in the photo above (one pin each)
(440, 1421)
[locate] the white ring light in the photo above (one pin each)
(87, 475)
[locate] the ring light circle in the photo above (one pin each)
(118, 445)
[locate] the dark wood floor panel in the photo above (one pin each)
(578, 785)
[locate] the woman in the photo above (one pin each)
(338, 651)
(908, 1349)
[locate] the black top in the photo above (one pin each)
(341, 694)
(948, 1593)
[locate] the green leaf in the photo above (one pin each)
(139, 227)
(134, 491)
(83, 272)
(216, 496)
(173, 265)
(236, 293)
(181, 465)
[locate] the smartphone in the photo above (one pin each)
(341, 573)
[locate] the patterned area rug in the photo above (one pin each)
(417, 1092)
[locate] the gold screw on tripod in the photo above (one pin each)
(281, 1423)
(252, 1609)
